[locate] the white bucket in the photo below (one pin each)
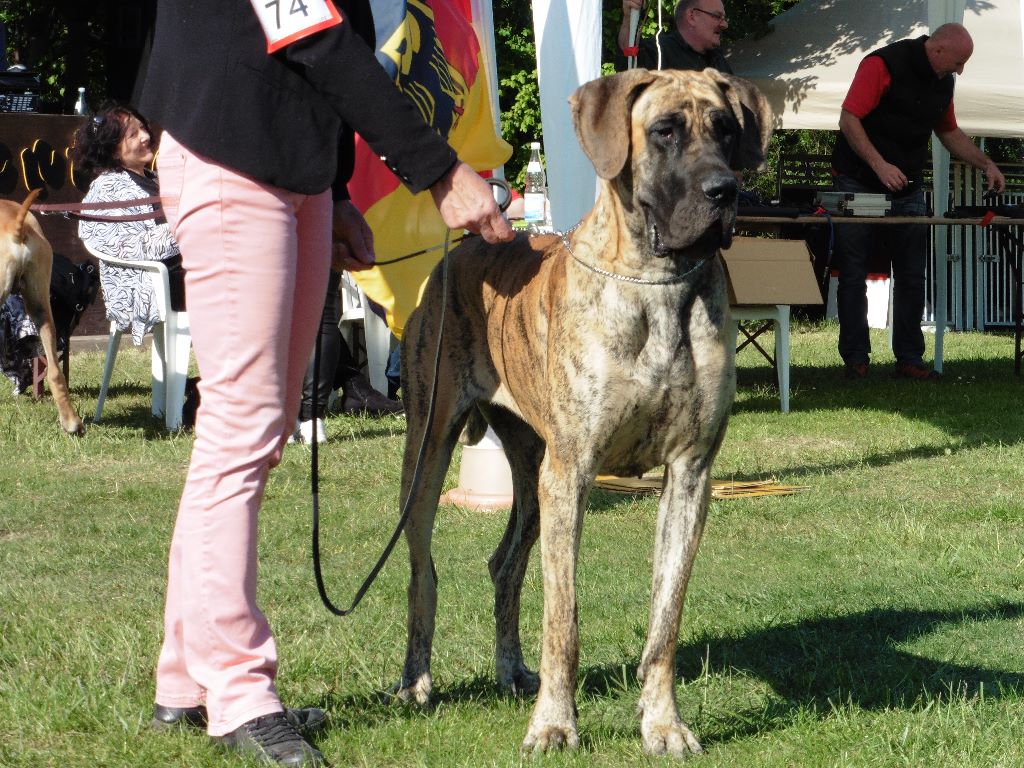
(485, 478)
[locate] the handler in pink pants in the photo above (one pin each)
(251, 330)
(258, 107)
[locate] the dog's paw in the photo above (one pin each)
(73, 426)
(520, 681)
(550, 737)
(414, 691)
(672, 738)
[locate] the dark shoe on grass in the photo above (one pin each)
(917, 371)
(273, 740)
(359, 397)
(855, 371)
(307, 721)
(173, 717)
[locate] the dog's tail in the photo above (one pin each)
(19, 220)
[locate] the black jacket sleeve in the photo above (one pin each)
(341, 67)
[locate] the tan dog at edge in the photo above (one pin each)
(610, 355)
(26, 259)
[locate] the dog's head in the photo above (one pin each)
(669, 142)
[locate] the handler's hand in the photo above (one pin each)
(465, 201)
(994, 177)
(353, 239)
(629, 5)
(892, 178)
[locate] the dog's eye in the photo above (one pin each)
(668, 129)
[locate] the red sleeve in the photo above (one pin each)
(871, 81)
(948, 121)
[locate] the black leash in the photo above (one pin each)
(416, 476)
(417, 470)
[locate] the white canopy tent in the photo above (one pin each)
(806, 64)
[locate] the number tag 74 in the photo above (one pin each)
(285, 21)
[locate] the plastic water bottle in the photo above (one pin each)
(535, 194)
(80, 108)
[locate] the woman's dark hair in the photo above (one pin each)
(97, 142)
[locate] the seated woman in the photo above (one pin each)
(113, 149)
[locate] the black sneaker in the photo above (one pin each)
(308, 721)
(174, 717)
(273, 740)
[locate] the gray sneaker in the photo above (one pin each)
(273, 740)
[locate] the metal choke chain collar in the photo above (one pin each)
(627, 278)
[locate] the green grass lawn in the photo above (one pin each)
(873, 620)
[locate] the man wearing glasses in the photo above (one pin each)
(694, 42)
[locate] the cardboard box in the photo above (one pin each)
(770, 271)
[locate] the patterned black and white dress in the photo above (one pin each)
(127, 294)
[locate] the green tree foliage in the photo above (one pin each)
(62, 41)
(74, 43)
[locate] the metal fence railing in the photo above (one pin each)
(979, 278)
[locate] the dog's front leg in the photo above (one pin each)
(681, 516)
(561, 492)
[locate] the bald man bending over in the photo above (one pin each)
(899, 96)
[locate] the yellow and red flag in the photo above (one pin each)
(431, 49)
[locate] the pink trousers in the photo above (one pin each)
(255, 256)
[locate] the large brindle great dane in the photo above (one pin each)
(606, 351)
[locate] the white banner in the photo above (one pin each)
(568, 38)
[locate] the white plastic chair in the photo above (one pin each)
(355, 310)
(779, 315)
(172, 342)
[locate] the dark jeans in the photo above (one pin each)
(907, 251)
(337, 365)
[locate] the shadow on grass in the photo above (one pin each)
(92, 391)
(976, 403)
(380, 707)
(813, 664)
(969, 384)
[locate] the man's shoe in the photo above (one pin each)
(308, 721)
(360, 398)
(165, 718)
(916, 371)
(273, 740)
(856, 371)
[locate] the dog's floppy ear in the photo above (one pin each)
(601, 113)
(754, 116)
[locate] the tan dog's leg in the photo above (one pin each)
(507, 565)
(681, 515)
(36, 294)
(562, 489)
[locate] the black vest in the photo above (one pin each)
(900, 126)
